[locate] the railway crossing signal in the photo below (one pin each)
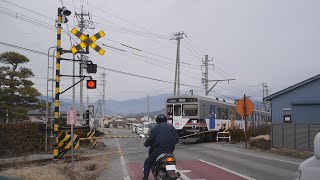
(64, 12)
(91, 84)
(86, 41)
(92, 68)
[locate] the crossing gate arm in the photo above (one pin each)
(109, 137)
(190, 135)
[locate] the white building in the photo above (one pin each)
(145, 118)
(117, 117)
(131, 119)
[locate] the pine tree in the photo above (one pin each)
(17, 96)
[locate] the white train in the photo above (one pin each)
(196, 114)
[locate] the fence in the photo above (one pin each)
(294, 136)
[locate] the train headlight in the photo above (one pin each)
(194, 121)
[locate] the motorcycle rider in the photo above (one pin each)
(163, 138)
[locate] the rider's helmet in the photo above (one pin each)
(161, 118)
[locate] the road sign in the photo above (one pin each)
(86, 41)
(244, 104)
(72, 116)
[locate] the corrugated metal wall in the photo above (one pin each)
(294, 136)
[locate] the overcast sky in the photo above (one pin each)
(252, 41)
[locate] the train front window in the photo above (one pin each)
(169, 110)
(177, 110)
(190, 110)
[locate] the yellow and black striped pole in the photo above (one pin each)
(57, 99)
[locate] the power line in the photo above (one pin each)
(108, 69)
(125, 20)
(145, 77)
(157, 65)
(28, 9)
(25, 49)
(147, 57)
(188, 39)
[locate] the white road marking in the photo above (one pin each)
(123, 164)
(228, 170)
(286, 161)
(184, 177)
(184, 171)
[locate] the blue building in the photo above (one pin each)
(297, 104)
(295, 115)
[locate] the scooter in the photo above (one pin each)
(165, 167)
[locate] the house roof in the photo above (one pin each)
(314, 78)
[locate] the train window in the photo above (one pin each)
(226, 114)
(169, 110)
(177, 110)
(190, 110)
(219, 113)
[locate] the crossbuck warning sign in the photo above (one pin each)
(72, 116)
(86, 41)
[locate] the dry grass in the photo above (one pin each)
(293, 153)
(265, 137)
(90, 168)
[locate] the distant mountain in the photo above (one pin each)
(136, 106)
(152, 114)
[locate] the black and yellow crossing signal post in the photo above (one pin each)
(60, 142)
(62, 13)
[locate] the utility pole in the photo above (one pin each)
(88, 103)
(205, 79)
(178, 37)
(103, 92)
(82, 24)
(206, 75)
(73, 82)
(264, 93)
(148, 102)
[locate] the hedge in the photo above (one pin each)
(27, 138)
(21, 138)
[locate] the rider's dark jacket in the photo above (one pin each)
(163, 138)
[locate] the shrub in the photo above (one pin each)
(237, 135)
(21, 138)
(260, 130)
(260, 143)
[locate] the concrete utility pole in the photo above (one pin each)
(103, 92)
(82, 24)
(205, 79)
(148, 102)
(73, 82)
(178, 37)
(264, 93)
(103, 105)
(206, 74)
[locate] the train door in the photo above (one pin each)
(177, 116)
(212, 117)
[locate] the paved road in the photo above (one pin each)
(200, 161)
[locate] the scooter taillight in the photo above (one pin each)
(170, 159)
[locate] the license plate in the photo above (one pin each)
(170, 167)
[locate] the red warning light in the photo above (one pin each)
(91, 84)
